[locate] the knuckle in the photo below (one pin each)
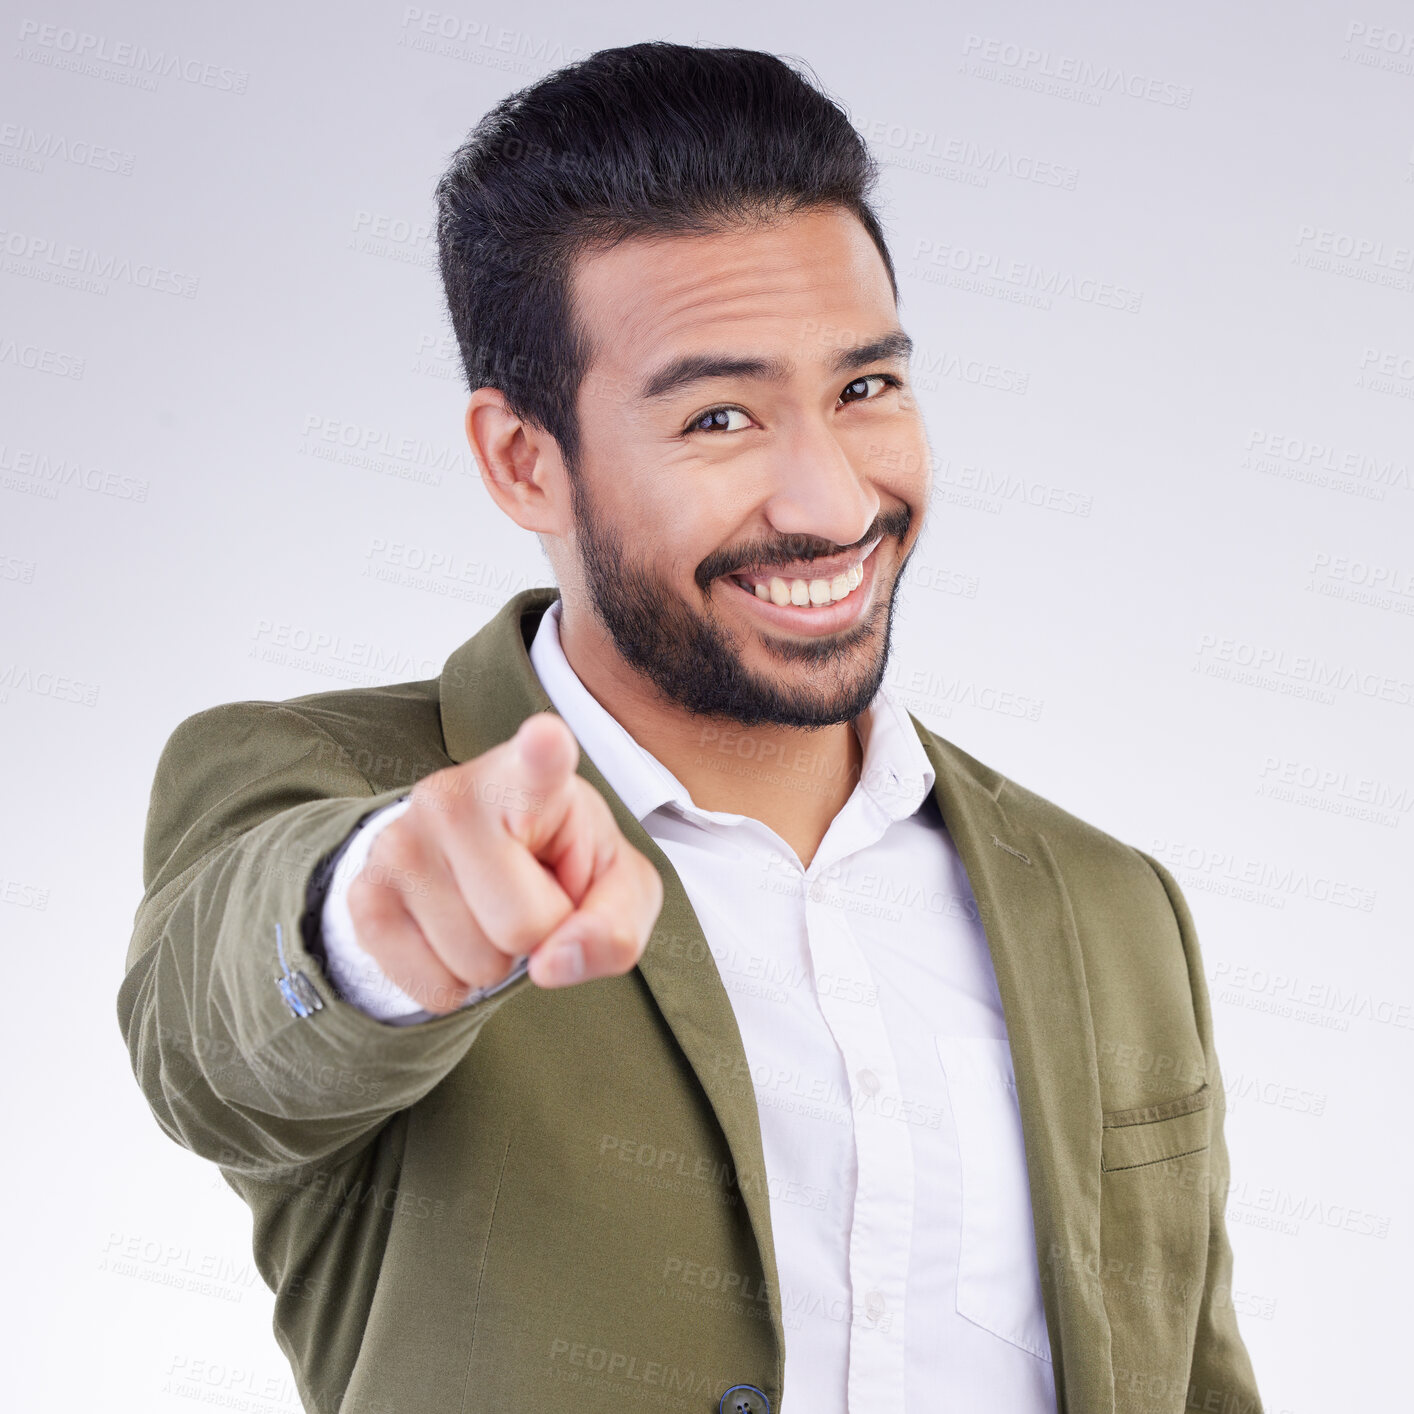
(530, 936)
(382, 943)
(486, 969)
(425, 977)
(496, 969)
(520, 935)
(398, 847)
(481, 963)
(369, 899)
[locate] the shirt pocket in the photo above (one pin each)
(998, 1280)
(1150, 1134)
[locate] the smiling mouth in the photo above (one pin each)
(806, 592)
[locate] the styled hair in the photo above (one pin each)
(647, 139)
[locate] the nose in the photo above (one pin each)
(817, 489)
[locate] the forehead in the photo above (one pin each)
(798, 287)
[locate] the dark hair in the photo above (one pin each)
(648, 139)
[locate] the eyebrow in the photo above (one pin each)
(693, 368)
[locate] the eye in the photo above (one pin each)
(716, 419)
(712, 420)
(887, 379)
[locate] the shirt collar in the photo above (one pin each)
(896, 775)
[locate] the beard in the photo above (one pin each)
(694, 659)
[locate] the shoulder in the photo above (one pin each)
(1101, 871)
(389, 734)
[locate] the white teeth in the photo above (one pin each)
(810, 591)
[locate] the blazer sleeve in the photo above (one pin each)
(241, 1059)
(1221, 1376)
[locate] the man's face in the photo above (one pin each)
(788, 467)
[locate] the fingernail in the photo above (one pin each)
(566, 963)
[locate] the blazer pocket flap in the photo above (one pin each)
(1152, 1133)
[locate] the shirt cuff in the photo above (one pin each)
(358, 978)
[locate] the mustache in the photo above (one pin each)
(798, 547)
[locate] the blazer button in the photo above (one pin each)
(744, 1399)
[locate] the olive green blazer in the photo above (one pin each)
(446, 1213)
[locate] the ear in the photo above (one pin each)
(520, 464)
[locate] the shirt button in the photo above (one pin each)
(868, 1081)
(874, 1305)
(817, 892)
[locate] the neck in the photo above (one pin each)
(793, 779)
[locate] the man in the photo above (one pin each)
(649, 1008)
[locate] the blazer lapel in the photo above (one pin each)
(487, 689)
(1026, 916)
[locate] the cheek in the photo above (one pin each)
(892, 451)
(911, 473)
(671, 531)
(692, 515)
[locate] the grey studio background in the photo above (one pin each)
(1160, 269)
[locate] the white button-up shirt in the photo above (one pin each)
(875, 1041)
